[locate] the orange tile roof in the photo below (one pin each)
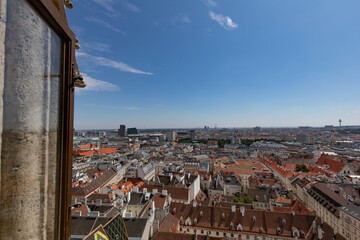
(283, 200)
(334, 166)
(106, 150)
(87, 153)
(87, 146)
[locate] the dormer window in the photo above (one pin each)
(195, 221)
(283, 221)
(296, 233)
(254, 219)
(188, 222)
(278, 230)
(223, 216)
(231, 225)
(239, 227)
(174, 210)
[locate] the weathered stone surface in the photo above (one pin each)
(29, 74)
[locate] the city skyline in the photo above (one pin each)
(237, 63)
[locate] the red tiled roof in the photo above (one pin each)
(106, 150)
(334, 166)
(87, 153)
(83, 208)
(176, 193)
(282, 200)
(87, 146)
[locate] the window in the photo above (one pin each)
(217, 233)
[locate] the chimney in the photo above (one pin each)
(135, 189)
(153, 206)
(77, 213)
(194, 204)
(128, 215)
(186, 203)
(171, 177)
(242, 210)
(147, 196)
(144, 190)
(95, 214)
(293, 212)
(233, 208)
(335, 231)
(320, 233)
(314, 226)
(154, 191)
(128, 198)
(164, 192)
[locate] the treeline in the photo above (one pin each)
(248, 142)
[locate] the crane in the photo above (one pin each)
(177, 141)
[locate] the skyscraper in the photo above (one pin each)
(132, 131)
(122, 131)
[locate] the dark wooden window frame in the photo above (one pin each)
(54, 18)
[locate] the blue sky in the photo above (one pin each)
(236, 63)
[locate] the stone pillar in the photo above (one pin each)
(2, 65)
(30, 127)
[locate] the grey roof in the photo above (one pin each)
(135, 226)
(352, 210)
(138, 198)
(84, 225)
(148, 167)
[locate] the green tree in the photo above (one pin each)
(301, 168)
(247, 200)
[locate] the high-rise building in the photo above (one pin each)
(132, 131)
(171, 136)
(257, 129)
(122, 131)
(192, 134)
(303, 138)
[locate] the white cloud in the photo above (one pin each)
(185, 19)
(105, 62)
(130, 6)
(131, 108)
(93, 84)
(105, 24)
(109, 6)
(224, 21)
(210, 3)
(96, 46)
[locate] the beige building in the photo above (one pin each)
(349, 222)
(326, 204)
